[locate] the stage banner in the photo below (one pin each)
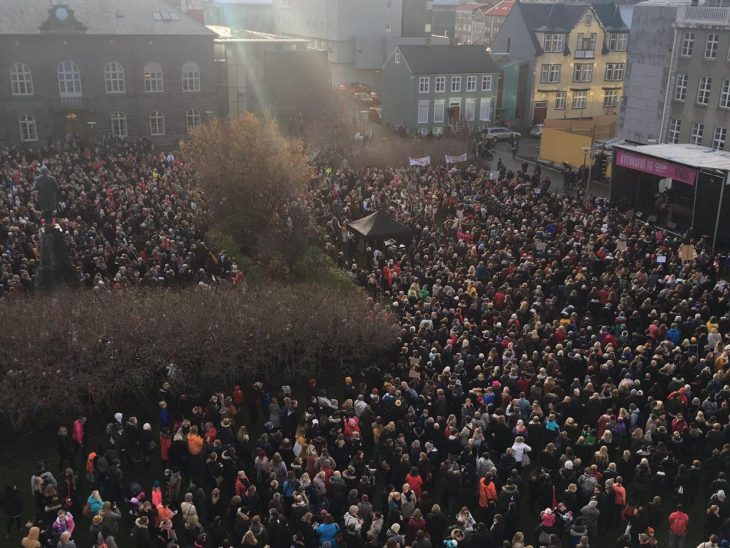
(455, 159)
(653, 166)
(423, 162)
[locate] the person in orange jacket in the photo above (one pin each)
(195, 441)
(487, 494)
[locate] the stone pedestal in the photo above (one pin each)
(56, 268)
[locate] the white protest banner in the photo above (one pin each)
(455, 159)
(425, 161)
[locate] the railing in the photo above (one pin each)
(703, 15)
(585, 54)
(71, 102)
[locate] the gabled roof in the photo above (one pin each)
(448, 59)
(541, 17)
(101, 17)
(610, 17)
(502, 9)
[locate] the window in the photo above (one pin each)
(192, 119)
(698, 130)
(485, 110)
(439, 109)
(423, 112)
(455, 83)
(550, 74)
(424, 83)
(675, 126)
(610, 98)
(589, 19)
(440, 84)
(554, 43)
(119, 124)
(703, 90)
(688, 44)
(560, 100)
(157, 123)
(28, 130)
(471, 83)
(114, 78)
(618, 41)
(580, 99)
(21, 79)
(387, 27)
(190, 77)
(711, 45)
(69, 79)
(153, 79)
(509, 45)
(586, 46)
(470, 107)
(718, 139)
(680, 87)
(487, 82)
(583, 72)
(614, 72)
(725, 94)
(396, 58)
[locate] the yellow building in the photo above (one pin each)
(575, 56)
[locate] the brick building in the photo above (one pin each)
(127, 68)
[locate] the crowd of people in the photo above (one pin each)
(130, 216)
(559, 378)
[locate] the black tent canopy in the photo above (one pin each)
(378, 226)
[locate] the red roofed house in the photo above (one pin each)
(493, 19)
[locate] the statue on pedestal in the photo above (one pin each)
(47, 187)
(55, 267)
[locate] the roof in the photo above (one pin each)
(448, 59)
(563, 17)
(690, 155)
(226, 34)
(245, 2)
(380, 225)
(470, 6)
(445, 2)
(106, 17)
(501, 10)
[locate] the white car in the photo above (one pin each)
(536, 130)
(500, 133)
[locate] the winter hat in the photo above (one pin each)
(146, 426)
(721, 494)
(569, 464)
(395, 528)
(118, 417)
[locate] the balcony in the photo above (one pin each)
(703, 15)
(70, 102)
(584, 54)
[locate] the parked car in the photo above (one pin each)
(363, 97)
(500, 133)
(536, 130)
(375, 115)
